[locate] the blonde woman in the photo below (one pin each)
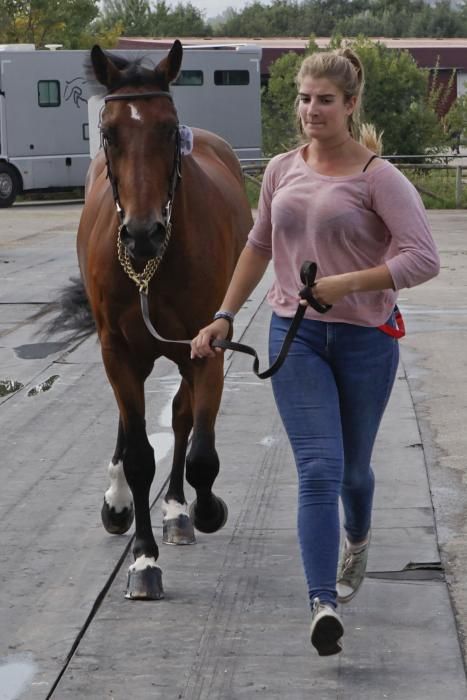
(333, 201)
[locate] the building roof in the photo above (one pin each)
(295, 42)
(447, 53)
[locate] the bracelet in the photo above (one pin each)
(227, 315)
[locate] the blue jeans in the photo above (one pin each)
(331, 393)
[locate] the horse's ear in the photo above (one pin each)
(104, 70)
(170, 65)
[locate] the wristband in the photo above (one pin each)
(227, 315)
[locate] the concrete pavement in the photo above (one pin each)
(235, 621)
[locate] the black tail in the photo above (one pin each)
(73, 312)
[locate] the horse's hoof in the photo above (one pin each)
(178, 530)
(117, 523)
(214, 521)
(145, 584)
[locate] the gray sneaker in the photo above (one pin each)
(351, 572)
(326, 629)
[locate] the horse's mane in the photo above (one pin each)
(132, 72)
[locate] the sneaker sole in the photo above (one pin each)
(326, 637)
(346, 599)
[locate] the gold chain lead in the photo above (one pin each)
(141, 279)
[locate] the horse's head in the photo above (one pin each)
(140, 134)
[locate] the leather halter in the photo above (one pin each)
(143, 279)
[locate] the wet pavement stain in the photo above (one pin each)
(15, 677)
(37, 351)
(9, 386)
(43, 386)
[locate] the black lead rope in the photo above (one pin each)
(307, 276)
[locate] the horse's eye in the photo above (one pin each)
(170, 132)
(110, 135)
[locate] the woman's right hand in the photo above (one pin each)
(201, 345)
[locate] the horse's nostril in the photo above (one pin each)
(126, 238)
(158, 232)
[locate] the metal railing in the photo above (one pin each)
(252, 167)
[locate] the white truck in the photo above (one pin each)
(47, 133)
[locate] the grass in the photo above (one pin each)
(252, 189)
(437, 187)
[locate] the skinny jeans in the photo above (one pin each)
(331, 393)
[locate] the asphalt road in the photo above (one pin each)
(234, 621)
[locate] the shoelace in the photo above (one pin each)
(316, 604)
(350, 561)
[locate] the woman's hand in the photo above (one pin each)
(328, 290)
(201, 345)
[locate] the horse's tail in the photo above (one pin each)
(370, 138)
(73, 311)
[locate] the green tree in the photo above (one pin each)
(397, 100)
(392, 18)
(279, 133)
(42, 22)
(183, 20)
(455, 121)
(141, 18)
(132, 15)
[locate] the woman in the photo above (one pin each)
(335, 202)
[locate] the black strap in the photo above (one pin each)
(370, 161)
(307, 275)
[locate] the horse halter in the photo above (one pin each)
(143, 278)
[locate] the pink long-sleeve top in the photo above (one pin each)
(344, 224)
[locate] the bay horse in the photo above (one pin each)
(175, 224)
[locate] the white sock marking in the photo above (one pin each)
(143, 562)
(118, 495)
(135, 114)
(173, 509)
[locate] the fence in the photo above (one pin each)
(448, 189)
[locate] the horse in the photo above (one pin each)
(172, 226)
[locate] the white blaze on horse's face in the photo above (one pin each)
(135, 114)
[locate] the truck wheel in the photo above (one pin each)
(9, 185)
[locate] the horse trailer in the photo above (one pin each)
(48, 134)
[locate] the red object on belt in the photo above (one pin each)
(399, 330)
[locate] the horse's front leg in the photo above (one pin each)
(117, 510)
(127, 378)
(177, 524)
(208, 512)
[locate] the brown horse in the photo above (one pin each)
(148, 206)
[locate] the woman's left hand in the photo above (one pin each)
(328, 290)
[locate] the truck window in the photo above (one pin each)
(189, 77)
(231, 77)
(48, 93)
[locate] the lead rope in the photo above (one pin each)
(307, 275)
